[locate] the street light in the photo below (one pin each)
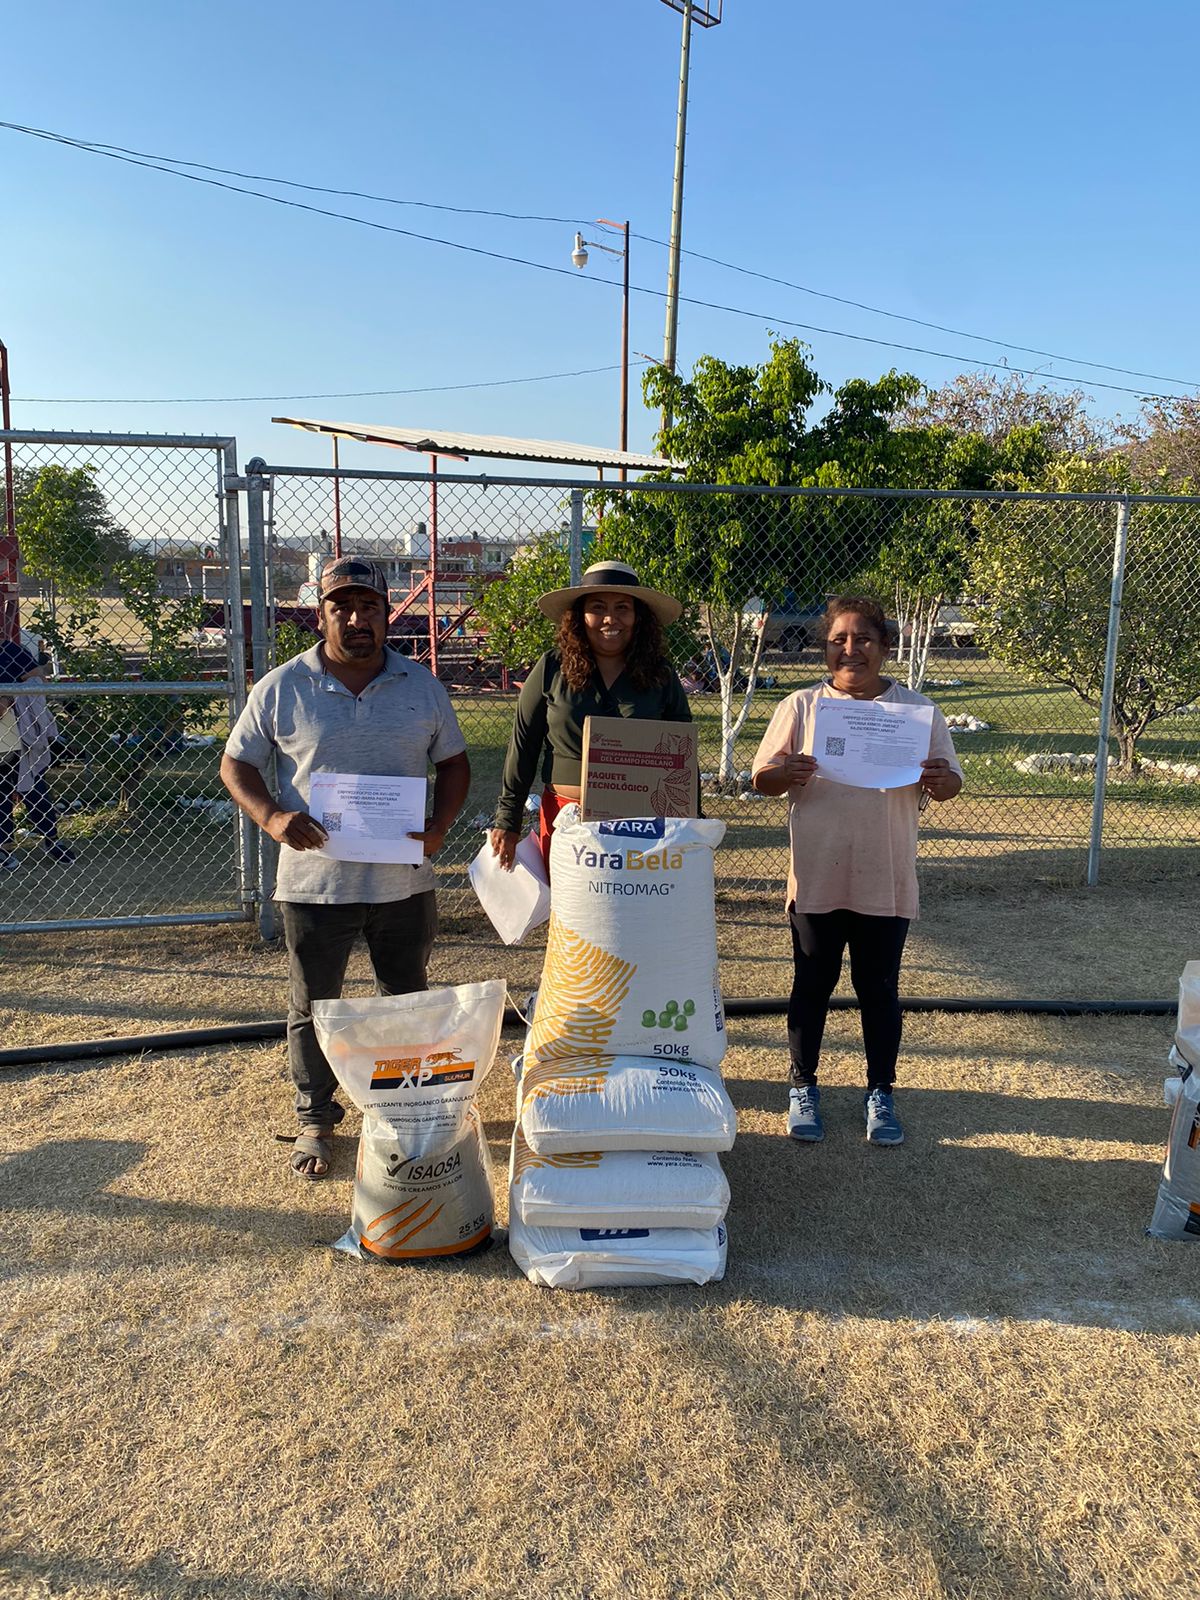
(580, 257)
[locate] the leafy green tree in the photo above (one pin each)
(69, 541)
(517, 631)
(122, 734)
(924, 556)
(1042, 573)
(995, 405)
(736, 556)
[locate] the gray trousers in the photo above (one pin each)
(399, 936)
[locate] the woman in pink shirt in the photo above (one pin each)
(852, 879)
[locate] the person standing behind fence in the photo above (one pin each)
(609, 661)
(350, 705)
(852, 879)
(27, 730)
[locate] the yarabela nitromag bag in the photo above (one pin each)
(617, 1188)
(624, 1103)
(587, 1258)
(412, 1064)
(631, 955)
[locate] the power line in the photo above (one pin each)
(142, 157)
(766, 319)
(343, 394)
(920, 322)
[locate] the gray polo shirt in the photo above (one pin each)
(398, 725)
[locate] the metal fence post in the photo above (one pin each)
(235, 647)
(1120, 545)
(575, 547)
(256, 550)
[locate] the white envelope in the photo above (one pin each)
(515, 901)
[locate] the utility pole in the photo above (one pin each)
(708, 14)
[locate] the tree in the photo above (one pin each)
(68, 539)
(735, 556)
(123, 733)
(517, 631)
(1163, 447)
(924, 557)
(1042, 576)
(986, 403)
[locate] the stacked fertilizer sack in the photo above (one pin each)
(1177, 1210)
(614, 1177)
(412, 1064)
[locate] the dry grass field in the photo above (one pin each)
(956, 1369)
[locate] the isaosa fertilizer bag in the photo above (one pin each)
(617, 1188)
(624, 1103)
(631, 956)
(412, 1064)
(591, 1258)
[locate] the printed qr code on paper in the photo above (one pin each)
(331, 821)
(835, 745)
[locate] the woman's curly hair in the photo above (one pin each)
(862, 605)
(645, 662)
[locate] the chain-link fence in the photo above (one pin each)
(1006, 615)
(1030, 619)
(111, 809)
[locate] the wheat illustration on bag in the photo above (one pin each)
(524, 1159)
(582, 989)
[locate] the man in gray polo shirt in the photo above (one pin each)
(350, 705)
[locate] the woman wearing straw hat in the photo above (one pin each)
(608, 661)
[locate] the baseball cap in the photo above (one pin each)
(352, 572)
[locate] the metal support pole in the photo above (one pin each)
(433, 566)
(575, 546)
(677, 203)
(10, 550)
(256, 552)
(235, 646)
(625, 353)
(337, 504)
(1120, 546)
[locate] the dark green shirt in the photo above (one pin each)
(550, 712)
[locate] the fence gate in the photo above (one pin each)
(131, 584)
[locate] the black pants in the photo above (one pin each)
(819, 940)
(399, 936)
(39, 807)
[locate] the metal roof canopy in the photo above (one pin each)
(442, 442)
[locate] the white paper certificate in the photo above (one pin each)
(369, 819)
(871, 744)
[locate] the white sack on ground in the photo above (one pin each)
(412, 1063)
(407, 1210)
(631, 958)
(593, 1258)
(414, 1060)
(624, 1103)
(616, 1188)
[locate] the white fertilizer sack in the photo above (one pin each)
(411, 1063)
(595, 1258)
(631, 958)
(409, 1210)
(1177, 1210)
(624, 1103)
(414, 1060)
(617, 1188)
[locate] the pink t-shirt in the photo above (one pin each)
(851, 849)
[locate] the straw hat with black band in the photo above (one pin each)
(611, 577)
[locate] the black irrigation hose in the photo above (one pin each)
(243, 1032)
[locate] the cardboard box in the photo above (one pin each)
(636, 768)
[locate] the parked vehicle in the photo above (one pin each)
(954, 626)
(789, 628)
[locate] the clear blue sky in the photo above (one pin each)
(1021, 170)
